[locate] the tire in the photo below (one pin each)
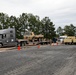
(0, 45)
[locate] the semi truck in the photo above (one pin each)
(8, 38)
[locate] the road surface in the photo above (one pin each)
(46, 60)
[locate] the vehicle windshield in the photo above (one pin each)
(0, 36)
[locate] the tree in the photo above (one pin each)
(59, 31)
(34, 23)
(24, 21)
(37, 28)
(15, 23)
(48, 29)
(69, 30)
(4, 20)
(0, 27)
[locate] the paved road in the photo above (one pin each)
(47, 60)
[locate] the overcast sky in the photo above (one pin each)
(61, 12)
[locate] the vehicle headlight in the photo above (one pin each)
(12, 40)
(7, 41)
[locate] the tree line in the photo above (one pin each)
(69, 30)
(29, 22)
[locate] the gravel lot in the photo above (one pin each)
(46, 60)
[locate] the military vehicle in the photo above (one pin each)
(70, 40)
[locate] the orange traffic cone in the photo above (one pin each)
(38, 46)
(19, 47)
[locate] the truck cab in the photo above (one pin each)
(7, 37)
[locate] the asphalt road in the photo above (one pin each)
(46, 60)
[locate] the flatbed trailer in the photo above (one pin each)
(44, 43)
(22, 42)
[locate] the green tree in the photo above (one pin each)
(37, 29)
(69, 30)
(34, 23)
(24, 21)
(4, 20)
(59, 31)
(0, 27)
(15, 23)
(48, 29)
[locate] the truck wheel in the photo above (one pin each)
(0, 45)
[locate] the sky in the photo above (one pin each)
(61, 12)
